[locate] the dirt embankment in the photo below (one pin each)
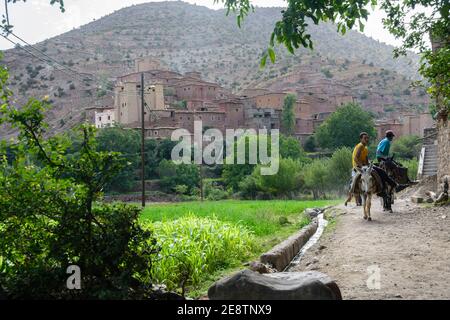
(401, 255)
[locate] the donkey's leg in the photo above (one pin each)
(364, 204)
(369, 204)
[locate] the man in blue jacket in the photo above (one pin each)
(384, 146)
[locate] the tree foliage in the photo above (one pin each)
(317, 177)
(49, 220)
(407, 147)
(287, 115)
(343, 127)
(285, 181)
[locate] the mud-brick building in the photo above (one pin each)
(405, 124)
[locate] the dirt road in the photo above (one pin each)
(410, 248)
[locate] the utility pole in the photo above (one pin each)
(142, 140)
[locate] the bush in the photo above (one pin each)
(214, 192)
(248, 188)
(407, 147)
(192, 248)
(316, 176)
(310, 144)
(286, 181)
(340, 166)
(412, 165)
(48, 219)
(172, 174)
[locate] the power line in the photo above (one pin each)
(39, 58)
(47, 56)
(123, 93)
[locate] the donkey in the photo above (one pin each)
(368, 185)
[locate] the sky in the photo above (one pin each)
(37, 20)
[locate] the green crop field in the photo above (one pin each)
(203, 241)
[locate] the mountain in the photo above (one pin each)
(187, 37)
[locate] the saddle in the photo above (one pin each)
(355, 185)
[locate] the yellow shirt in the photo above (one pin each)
(363, 155)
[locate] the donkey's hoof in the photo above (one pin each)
(365, 218)
(370, 219)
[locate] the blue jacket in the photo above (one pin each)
(383, 148)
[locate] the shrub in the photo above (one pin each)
(340, 166)
(407, 147)
(193, 247)
(412, 165)
(172, 174)
(213, 191)
(316, 176)
(49, 221)
(284, 182)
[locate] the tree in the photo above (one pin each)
(407, 147)
(172, 175)
(316, 176)
(284, 182)
(126, 142)
(310, 144)
(287, 115)
(291, 148)
(343, 127)
(340, 166)
(49, 221)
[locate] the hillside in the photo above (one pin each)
(188, 37)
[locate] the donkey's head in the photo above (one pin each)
(367, 180)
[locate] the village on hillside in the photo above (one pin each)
(175, 101)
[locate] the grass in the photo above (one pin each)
(262, 224)
(261, 217)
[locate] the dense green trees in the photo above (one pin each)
(343, 127)
(49, 219)
(173, 175)
(407, 147)
(287, 180)
(126, 142)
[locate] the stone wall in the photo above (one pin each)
(443, 139)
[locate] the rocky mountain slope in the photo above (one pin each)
(187, 37)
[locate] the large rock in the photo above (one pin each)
(250, 285)
(283, 253)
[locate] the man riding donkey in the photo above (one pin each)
(360, 158)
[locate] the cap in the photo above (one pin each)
(390, 133)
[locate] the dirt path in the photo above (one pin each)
(411, 248)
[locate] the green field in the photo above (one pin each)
(213, 238)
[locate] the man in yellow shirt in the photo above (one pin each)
(360, 157)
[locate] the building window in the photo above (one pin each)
(156, 133)
(99, 118)
(109, 118)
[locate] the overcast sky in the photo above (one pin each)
(37, 20)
